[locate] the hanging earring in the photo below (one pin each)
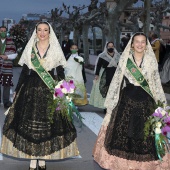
(131, 51)
(37, 39)
(146, 49)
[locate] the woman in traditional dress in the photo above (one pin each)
(75, 70)
(104, 70)
(165, 72)
(133, 92)
(28, 132)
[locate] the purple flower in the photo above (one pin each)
(66, 85)
(61, 86)
(167, 120)
(157, 114)
(167, 108)
(58, 108)
(71, 83)
(58, 93)
(165, 130)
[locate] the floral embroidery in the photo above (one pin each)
(133, 70)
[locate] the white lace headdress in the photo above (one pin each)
(112, 60)
(149, 70)
(54, 57)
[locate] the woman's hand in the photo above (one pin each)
(5, 57)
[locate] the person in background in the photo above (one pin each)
(66, 44)
(131, 99)
(75, 69)
(155, 45)
(124, 41)
(165, 72)
(104, 70)
(7, 54)
(28, 131)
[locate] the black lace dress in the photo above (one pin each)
(27, 127)
(125, 135)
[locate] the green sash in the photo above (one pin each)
(138, 76)
(45, 76)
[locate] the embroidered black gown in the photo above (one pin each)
(125, 135)
(27, 131)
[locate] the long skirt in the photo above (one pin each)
(96, 98)
(120, 144)
(28, 131)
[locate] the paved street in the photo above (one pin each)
(86, 136)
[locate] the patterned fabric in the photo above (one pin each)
(27, 129)
(120, 144)
(103, 68)
(111, 162)
(106, 78)
(165, 73)
(149, 69)
(7, 65)
(54, 57)
(125, 135)
(96, 98)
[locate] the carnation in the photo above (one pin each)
(158, 124)
(71, 91)
(64, 90)
(163, 112)
(157, 130)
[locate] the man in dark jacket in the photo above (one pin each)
(66, 44)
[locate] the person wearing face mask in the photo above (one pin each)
(7, 54)
(75, 69)
(104, 70)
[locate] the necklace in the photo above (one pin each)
(138, 62)
(43, 49)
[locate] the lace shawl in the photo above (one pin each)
(54, 57)
(113, 61)
(150, 71)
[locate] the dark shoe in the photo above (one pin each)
(41, 167)
(7, 105)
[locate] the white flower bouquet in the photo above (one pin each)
(79, 59)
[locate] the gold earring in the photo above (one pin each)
(145, 49)
(131, 50)
(36, 38)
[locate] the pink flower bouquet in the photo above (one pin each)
(62, 100)
(158, 125)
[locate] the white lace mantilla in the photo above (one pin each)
(149, 70)
(54, 57)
